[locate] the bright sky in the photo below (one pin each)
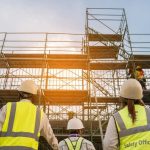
(66, 15)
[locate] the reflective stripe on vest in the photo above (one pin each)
(74, 145)
(18, 131)
(15, 148)
(134, 136)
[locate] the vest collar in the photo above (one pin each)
(25, 100)
(74, 135)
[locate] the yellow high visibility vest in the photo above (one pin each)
(133, 136)
(20, 130)
(74, 145)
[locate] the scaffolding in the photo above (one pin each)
(80, 73)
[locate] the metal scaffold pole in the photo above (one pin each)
(98, 114)
(43, 69)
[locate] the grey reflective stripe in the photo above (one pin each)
(9, 133)
(11, 118)
(119, 121)
(79, 143)
(37, 121)
(15, 148)
(135, 130)
(69, 144)
(19, 134)
(148, 115)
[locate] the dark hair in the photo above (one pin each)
(24, 95)
(131, 106)
(74, 131)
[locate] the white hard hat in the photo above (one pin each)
(131, 89)
(75, 124)
(28, 86)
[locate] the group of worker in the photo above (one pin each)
(21, 123)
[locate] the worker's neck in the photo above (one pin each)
(25, 100)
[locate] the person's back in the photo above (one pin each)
(133, 135)
(85, 145)
(75, 141)
(14, 134)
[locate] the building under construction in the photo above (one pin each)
(79, 73)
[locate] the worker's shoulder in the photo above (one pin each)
(85, 141)
(62, 143)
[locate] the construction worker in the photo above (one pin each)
(75, 141)
(129, 128)
(21, 123)
(70, 115)
(139, 75)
